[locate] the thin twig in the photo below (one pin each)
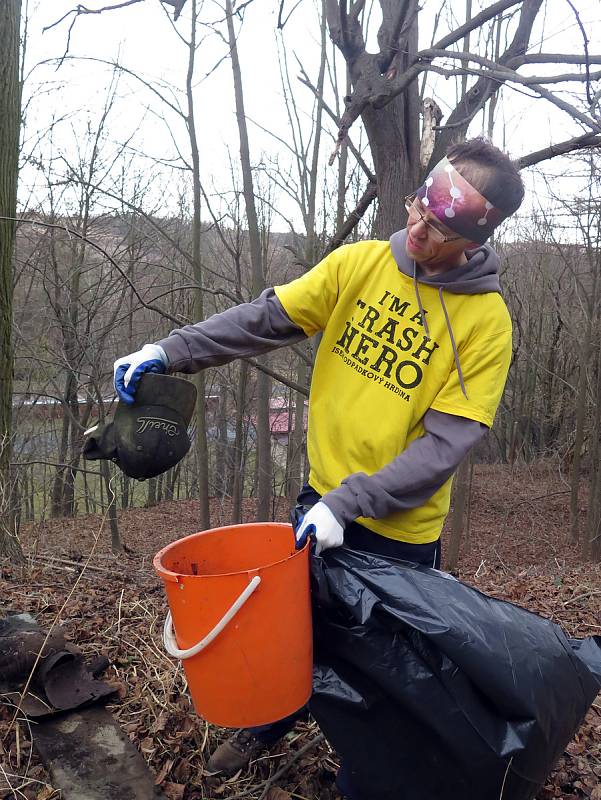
(266, 785)
(581, 597)
(55, 621)
(284, 769)
(119, 613)
(83, 10)
(151, 307)
(66, 561)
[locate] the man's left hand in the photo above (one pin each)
(320, 523)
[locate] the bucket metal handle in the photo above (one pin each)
(170, 642)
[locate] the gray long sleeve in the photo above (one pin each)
(413, 476)
(248, 329)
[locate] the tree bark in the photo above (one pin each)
(10, 121)
(581, 408)
(264, 464)
(239, 445)
(202, 452)
(461, 503)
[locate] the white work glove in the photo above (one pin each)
(320, 523)
(128, 371)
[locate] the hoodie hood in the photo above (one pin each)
(479, 276)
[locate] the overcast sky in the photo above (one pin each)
(142, 39)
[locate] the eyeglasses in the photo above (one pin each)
(438, 235)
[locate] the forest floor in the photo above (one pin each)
(518, 551)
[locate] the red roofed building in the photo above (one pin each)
(282, 418)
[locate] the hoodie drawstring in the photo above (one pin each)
(419, 300)
(448, 321)
(453, 345)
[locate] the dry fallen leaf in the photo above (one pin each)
(174, 791)
(45, 794)
(275, 793)
(505, 559)
(159, 723)
(164, 771)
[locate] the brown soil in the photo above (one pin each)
(518, 550)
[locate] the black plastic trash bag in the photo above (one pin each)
(429, 689)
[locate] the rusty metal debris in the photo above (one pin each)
(81, 745)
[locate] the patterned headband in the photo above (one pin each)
(458, 205)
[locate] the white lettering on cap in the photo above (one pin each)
(157, 423)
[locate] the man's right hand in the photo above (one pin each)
(127, 371)
(320, 523)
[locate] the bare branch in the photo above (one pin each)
(72, 232)
(278, 376)
(356, 9)
(282, 22)
(151, 221)
(177, 6)
(79, 10)
(484, 88)
(370, 176)
(499, 74)
(150, 306)
(233, 298)
(218, 228)
(475, 22)
(497, 67)
(503, 73)
(566, 77)
(554, 58)
(354, 217)
(115, 65)
(586, 55)
(378, 92)
(389, 35)
(500, 77)
(344, 27)
(561, 148)
(345, 30)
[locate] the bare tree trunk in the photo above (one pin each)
(202, 451)
(468, 517)
(396, 158)
(311, 246)
(575, 474)
(170, 480)
(592, 516)
(461, 502)
(392, 130)
(56, 507)
(125, 491)
(492, 103)
(264, 464)
(296, 440)
(151, 492)
(222, 444)
(342, 167)
(239, 455)
(466, 44)
(10, 120)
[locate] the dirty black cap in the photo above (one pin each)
(150, 436)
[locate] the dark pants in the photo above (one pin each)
(357, 537)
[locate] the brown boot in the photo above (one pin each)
(234, 753)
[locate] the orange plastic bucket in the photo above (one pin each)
(241, 613)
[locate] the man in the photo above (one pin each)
(416, 344)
